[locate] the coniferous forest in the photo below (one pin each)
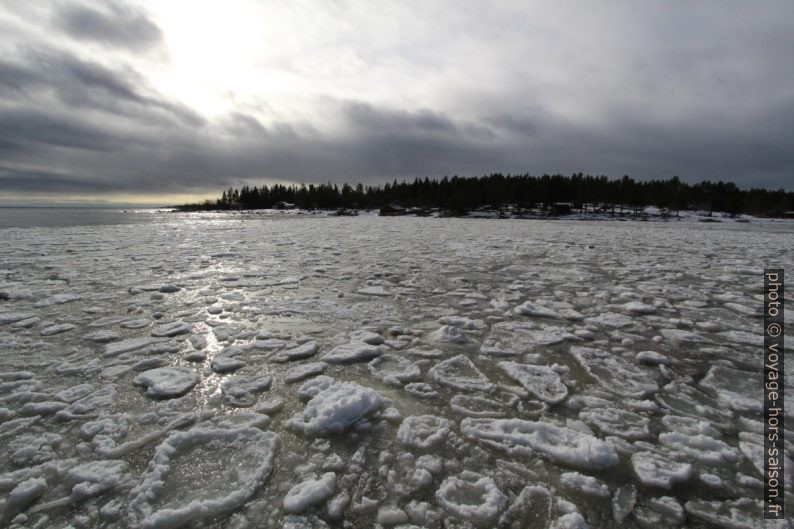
(462, 194)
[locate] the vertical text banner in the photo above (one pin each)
(773, 394)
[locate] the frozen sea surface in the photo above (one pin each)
(234, 371)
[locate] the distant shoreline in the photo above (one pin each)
(496, 214)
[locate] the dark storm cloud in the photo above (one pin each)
(86, 84)
(110, 23)
(382, 121)
(703, 96)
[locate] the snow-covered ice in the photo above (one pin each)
(245, 369)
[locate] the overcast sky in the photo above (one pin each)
(154, 101)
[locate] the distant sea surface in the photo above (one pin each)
(63, 217)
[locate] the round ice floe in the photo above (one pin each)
(394, 369)
(533, 309)
(199, 474)
(682, 336)
(584, 484)
(95, 478)
(448, 334)
(654, 469)
(472, 497)
(423, 431)
(172, 329)
(459, 372)
(541, 381)
(561, 445)
(689, 426)
(701, 447)
(614, 373)
(613, 320)
(226, 364)
(304, 350)
(293, 521)
(476, 406)
(351, 352)
(736, 389)
(687, 400)
(336, 408)
(638, 307)
(663, 511)
(652, 358)
(309, 493)
(165, 382)
(312, 387)
(33, 449)
(243, 391)
(614, 421)
(734, 514)
(57, 329)
(421, 389)
(304, 371)
(368, 337)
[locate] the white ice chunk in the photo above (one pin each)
(541, 381)
(472, 497)
(584, 484)
(242, 391)
(423, 431)
(561, 445)
(310, 492)
(614, 373)
(657, 470)
(459, 372)
(351, 352)
(304, 371)
(165, 382)
(336, 408)
(199, 474)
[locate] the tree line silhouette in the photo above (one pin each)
(463, 194)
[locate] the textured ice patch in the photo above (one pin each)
(472, 497)
(226, 364)
(733, 514)
(541, 381)
(242, 391)
(533, 309)
(394, 370)
(57, 329)
(173, 329)
(613, 373)
(449, 334)
(304, 350)
(701, 447)
(199, 474)
(736, 389)
(351, 352)
(336, 408)
(584, 484)
(423, 431)
(476, 406)
(614, 320)
(654, 469)
(614, 421)
(561, 445)
(459, 372)
(304, 371)
(652, 358)
(310, 492)
(165, 382)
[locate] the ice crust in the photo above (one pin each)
(256, 370)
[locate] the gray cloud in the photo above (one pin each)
(690, 103)
(110, 23)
